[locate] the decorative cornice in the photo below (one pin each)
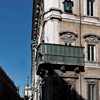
(65, 32)
(75, 20)
(92, 39)
(68, 36)
(91, 0)
(93, 77)
(53, 9)
(35, 17)
(91, 35)
(52, 17)
(52, 13)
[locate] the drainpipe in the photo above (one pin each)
(80, 21)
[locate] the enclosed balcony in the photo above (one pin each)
(56, 55)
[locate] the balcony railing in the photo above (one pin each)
(59, 54)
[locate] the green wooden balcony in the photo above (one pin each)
(59, 55)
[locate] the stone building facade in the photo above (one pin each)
(68, 23)
(8, 90)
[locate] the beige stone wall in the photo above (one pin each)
(90, 74)
(70, 26)
(81, 79)
(98, 8)
(85, 29)
(76, 7)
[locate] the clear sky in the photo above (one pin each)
(15, 40)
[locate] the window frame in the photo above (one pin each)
(90, 7)
(93, 92)
(68, 38)
(71, 83)
(91, 39)
(91, 48)
(67, 43)
(69, 4)
(95, 10)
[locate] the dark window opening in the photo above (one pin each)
(90, 52)
(68, 44)
(90, 7)
(68, 4)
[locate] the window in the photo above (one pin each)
(68, 4)
(92, 91)
(90, 7)
(68, 38)
(68, 44)
(91, 52)
(92, 45)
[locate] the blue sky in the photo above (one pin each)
(15, 39)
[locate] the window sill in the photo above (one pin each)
(68, 15)
(92, 63)
(94, 17)
(91, 19)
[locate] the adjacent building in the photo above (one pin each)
(8, 90)
(65, 50)
(28, 92)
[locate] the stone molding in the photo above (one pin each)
(91, 38)
(68, 36)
